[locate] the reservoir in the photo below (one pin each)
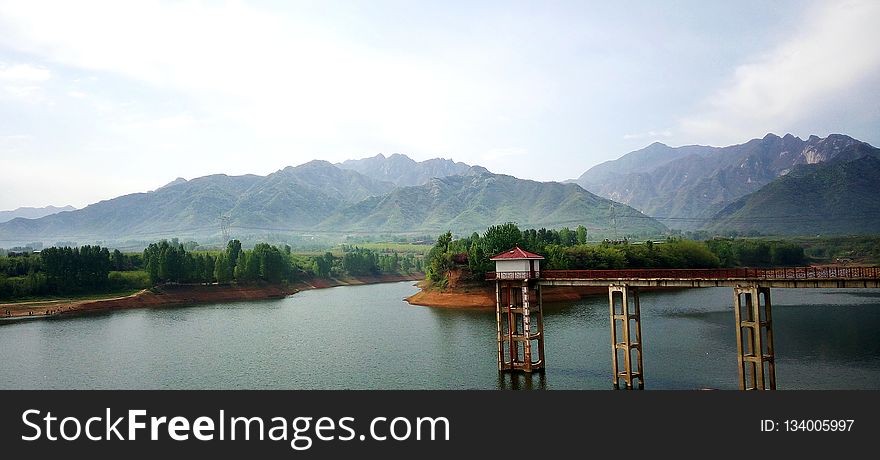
(367, 337)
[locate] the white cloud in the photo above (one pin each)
(77, 94)
(23, 73)
(13, 141)
(23, 81)
(834, 49)
(289, 80)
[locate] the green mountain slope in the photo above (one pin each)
(320, 197)
(841, 197)
(292, 198)
(476, 200)
(684, 186)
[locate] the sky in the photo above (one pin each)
(104, 98)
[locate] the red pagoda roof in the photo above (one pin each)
(516, 253)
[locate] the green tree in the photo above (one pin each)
(477, 260)
(247, 269)
(269, 261)
(567, 237)
(233, 249)
(210, 267)
(500, 238)
(118, 260)
(223, 269)
(581, 234)
(324, 264)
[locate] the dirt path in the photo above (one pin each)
(39, 308)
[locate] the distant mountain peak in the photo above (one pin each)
(316, 164)
(477, 171)
(33, 213)
(787, 205)
(402, 170)
(691, 183)
(177, 181)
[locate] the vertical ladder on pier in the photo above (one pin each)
(754, 338)
(520, 326)
(626, 336)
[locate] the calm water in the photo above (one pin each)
(366, 337)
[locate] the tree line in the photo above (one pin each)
(357, 261)
(58, 271)
(93, 269)
(567, 249)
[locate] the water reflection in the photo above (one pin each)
(522, 381)
(365, 337)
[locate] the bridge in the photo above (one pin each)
(781, 277)
(520, 325)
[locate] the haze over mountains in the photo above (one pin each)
(319, 197)
(403, 170)
(685, 187)
(773, 185)
(470, 201)
(32, 213)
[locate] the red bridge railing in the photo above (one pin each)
(777, 273)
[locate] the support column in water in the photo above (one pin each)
(520, 326)
(754, 338)
(626, 337)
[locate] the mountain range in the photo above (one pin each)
(32, 213)
(402, 170)
(840, 197)
(474, 200)
(773, 185)
(319, 197)
(685, 187)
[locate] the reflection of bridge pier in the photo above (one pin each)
(519, 310)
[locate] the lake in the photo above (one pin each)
(367, 337)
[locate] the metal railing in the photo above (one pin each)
(525, 275)
(776, 273)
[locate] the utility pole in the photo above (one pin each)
(224, 228)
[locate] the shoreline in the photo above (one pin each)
(483, 297)
(172, 295)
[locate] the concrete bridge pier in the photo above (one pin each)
(754, 338)
(519, 325)
(626, 337)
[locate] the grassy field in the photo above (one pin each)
(403, 248)
(855, 249)
(400, 248)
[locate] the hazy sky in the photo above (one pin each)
(99, 99)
